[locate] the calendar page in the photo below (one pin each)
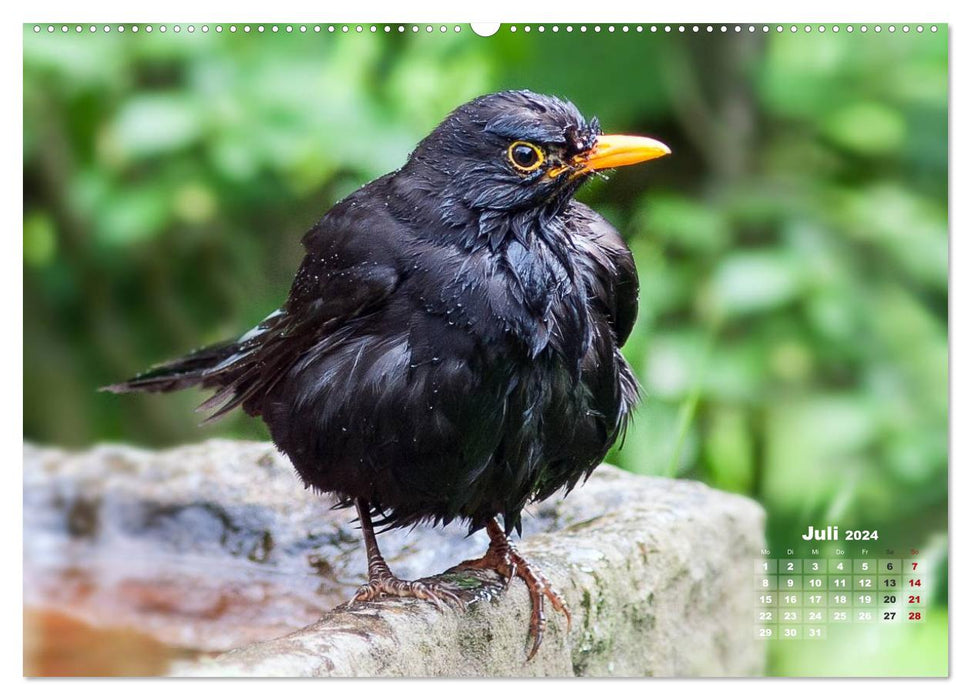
(838, 598)
(601, 348)
(814, 592)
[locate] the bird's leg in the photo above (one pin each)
(381, 582)
(509, 563)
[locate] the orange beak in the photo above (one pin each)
(616, 150)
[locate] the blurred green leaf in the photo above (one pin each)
(136, 215)
(696, 226)
(815, 447)
(747, 282)
(40, 239)
(151, 124)
(729, 451)
(871, 128)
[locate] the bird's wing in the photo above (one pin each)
(612, 275)
(348, 272)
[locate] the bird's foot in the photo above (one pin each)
(503, 558)
(385, 584)
(382, 583)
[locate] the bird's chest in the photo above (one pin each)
(517, 300)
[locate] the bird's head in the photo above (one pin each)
(517, 151)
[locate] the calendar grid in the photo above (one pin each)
(806, 598)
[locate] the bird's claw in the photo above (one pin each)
(394, 587)
(539, 588)
(510, 564)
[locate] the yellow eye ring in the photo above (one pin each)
(524, 156)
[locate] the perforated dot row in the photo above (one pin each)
(721, 28)
(246, 28)
(443, 29)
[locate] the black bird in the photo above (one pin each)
(450, 348)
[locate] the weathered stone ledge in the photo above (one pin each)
(657, 572)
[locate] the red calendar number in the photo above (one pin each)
(913, 599)
(915, 583)
(913, 616)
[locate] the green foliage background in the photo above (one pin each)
(793, 252)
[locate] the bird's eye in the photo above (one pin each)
(524, 156)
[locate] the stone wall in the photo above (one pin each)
(657, 572)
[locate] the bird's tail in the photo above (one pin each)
(241, 370)
(198, 368)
